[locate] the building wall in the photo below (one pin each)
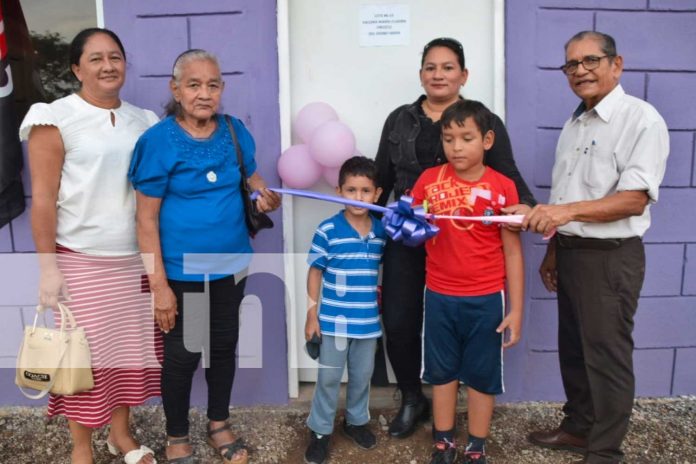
(657, 39)
(242, 33)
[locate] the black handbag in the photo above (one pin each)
(255, 219)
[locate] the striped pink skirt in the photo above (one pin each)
(110, 299)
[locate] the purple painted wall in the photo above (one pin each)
(658, 41)
(660, 67)
(242, 33)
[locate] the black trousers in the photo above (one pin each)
(403, 282)
(209, 324)
(599, 282)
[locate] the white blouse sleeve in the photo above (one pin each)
(152, 118)
(40, 114)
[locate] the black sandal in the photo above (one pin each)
(227, 451)
(183, 459)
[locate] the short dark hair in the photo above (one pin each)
(358, 166)
(77, 46)
(447, 42)
(462, 109)
(606, 42)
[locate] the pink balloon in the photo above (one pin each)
(297, 168)
(310, 117)
(330, 175)
(332, 143)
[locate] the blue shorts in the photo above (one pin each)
(461, 342)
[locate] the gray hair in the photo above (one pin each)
(195, 54)
(606, 42)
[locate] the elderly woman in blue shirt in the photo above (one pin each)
(189, 202)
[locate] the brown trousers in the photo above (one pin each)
(599, 282)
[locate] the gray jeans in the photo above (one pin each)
(335, 354)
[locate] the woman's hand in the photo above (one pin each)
(515, 209)
(52, 285)
(165, 307)
(267, 200)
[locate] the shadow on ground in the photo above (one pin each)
(661, 431)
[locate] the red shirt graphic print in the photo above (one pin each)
(465, 258)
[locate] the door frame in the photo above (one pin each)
(285, 130)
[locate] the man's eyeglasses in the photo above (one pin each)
(589, 63)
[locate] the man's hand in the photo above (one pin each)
(520, 208)
(544, 219)
(547, 270)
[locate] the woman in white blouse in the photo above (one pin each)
(83, 222)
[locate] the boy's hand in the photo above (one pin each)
(512, 323)
(312, 325)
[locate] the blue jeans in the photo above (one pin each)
(335, 353)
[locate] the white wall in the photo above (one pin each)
(364, 84)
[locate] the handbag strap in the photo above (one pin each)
(45, 391)
(238, 150)
(65, 316)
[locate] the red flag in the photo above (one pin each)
(11, 160)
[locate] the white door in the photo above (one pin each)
(364, 84)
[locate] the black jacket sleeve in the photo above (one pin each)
(500, 158)
(386, 174)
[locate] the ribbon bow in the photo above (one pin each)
(404, 223)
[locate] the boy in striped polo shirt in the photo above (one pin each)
(344, 265)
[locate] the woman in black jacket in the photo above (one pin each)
(411, 143)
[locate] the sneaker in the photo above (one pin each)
(318, 449)
(445, 453)
(360, 434)
(474, 457)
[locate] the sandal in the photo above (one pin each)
(183, 459)
(227, 451)
(133, 456)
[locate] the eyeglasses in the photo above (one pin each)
(589, 63)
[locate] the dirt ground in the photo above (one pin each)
(662, 431)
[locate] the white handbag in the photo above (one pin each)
(54, 360)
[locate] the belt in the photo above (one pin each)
(572, 241)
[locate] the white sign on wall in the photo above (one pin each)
(384, 25)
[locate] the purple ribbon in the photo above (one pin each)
(402, 222)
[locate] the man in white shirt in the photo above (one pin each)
(610, 160)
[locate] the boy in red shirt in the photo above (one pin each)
(467, 266)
